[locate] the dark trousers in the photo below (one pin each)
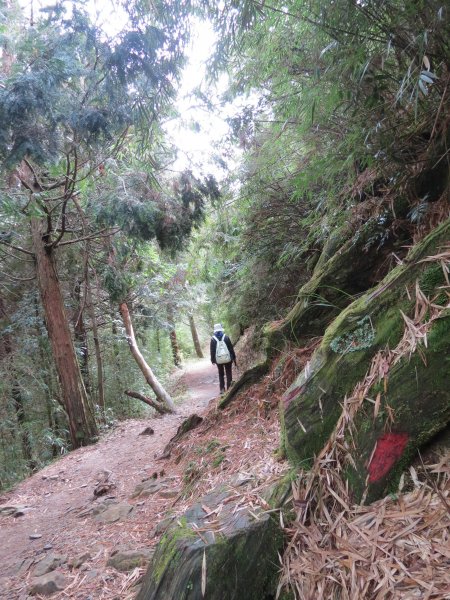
(226, 368)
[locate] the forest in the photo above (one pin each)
(316, 229)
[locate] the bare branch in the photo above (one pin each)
(21, 258)
(98, 234)
(8, 276)
(18, 248)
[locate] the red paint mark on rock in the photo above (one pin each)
(389, 448)
(292, 394)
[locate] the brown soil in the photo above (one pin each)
(241, 439)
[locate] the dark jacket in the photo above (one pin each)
(213, 345)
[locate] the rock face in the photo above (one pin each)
(349, 265)
(235, 551)
(418, 395)
(413, 396)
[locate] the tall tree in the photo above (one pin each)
(69, 103)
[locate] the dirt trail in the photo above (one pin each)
(55, 496)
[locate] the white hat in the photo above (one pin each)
(218, 327)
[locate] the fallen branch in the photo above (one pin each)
(163, 410)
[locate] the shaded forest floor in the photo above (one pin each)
(57, 505)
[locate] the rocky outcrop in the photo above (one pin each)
(414, 405)
(412, 399)
(228, 553)
(349, 265)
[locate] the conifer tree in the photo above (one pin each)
(70, 101)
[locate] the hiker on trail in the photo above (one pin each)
(222, 355)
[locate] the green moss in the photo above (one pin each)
(418, 394)
(360, 338)
(168, 549)
(277, 494)
(431, 278)
(212, 445)
(218, 459)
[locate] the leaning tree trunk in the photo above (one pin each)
(82, 426)
(158, 389)
(173, 338)
(195, 339)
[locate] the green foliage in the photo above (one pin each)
(191, 472)
(343, 104)
(68, 85)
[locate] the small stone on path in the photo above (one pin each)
(35, 536)
(115, 512)
(126, 560)
(147, 431)
(77, 561)
(48, 563)
(169, 493)
(48, 584)
(147, 488)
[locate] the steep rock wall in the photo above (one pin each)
(313, 404)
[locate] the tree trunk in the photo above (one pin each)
(158, 341)
(195, 339)
(82, 426)
(158, 389)
(53, 390)
(81, 342)
(173, 338)
(98, 354)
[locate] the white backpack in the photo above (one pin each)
(222, 353)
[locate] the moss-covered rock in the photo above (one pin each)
(241, 554)
(350, 264)
(312, 405)
(418, 398)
